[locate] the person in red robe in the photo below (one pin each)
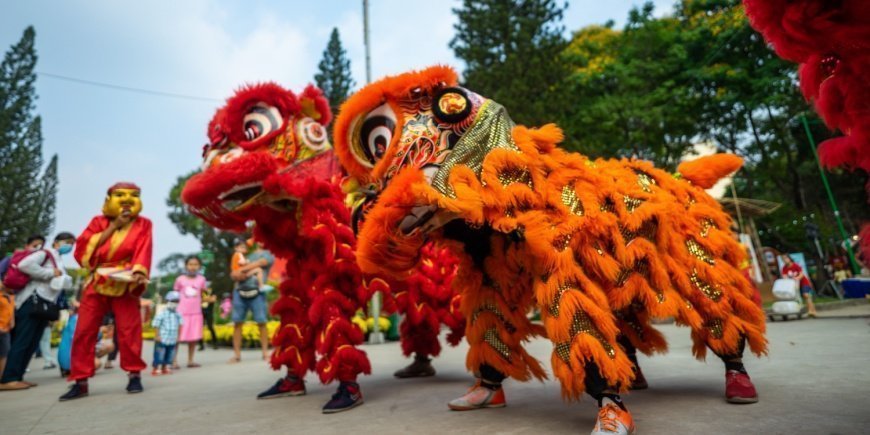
(115, 249)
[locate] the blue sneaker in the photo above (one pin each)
(285, 386)
(347, 397)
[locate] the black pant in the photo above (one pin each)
(26, 334)
(208, 315)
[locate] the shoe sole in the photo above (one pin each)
(424, 375)
(333, 411)
(73, 398)
(135, 391)
(287, 394)
(742, 400)
(472, 408)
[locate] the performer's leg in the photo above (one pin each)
(293, 342)
(613, 417)
(128, 328)
(421, 340)
(738, 386)
(92, 309)
(639, 382)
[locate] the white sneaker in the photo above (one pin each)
(613, 420)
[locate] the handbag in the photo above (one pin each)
(248, 289)
(43, 309)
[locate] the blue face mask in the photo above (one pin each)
(64, 249)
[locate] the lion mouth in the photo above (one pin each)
(241, 197)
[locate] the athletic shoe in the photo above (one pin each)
(613, 420)
(283, 388)
(77, 391)
(134, 385)
(156, 372)
(167, 371)
(479, 397)
(639, 382)
(421, 367)
(739, 388)
(347, 397)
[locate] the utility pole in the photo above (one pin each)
(376, 336)
(847, 240)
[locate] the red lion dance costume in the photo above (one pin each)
(600, 246)
(269, 161)
(831, 42)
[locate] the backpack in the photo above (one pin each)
(15, 280)
(4, 265)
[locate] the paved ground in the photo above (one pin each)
(815, 381)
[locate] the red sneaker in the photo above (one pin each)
(167, 371)
(155, 372)
(739, 388)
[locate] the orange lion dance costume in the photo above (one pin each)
(831, 42)
(600, 246)
(269, 161)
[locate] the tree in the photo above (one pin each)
(659, 85)
(27, 193)
(512, 52)
(220, 243)
(334, 77)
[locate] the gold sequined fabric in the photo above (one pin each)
(631, 204)
(645, 181)
(515, 175)
(583, 324)
(570, 199)
(711, 292)
(706, 224)
(563, 350)
(553, 309)
(699, 252)
(715, 328)
(491, 130)
(491, 338)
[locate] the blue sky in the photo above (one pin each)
(201, 48)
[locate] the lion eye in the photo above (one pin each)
(261, 120)
(374, 134)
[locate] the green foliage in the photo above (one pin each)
(512, 51)
(27, 191)
(660, 85)
(219, 242)
(333, 76)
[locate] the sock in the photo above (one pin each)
(606, 398)
(494, 386)
(736, 366)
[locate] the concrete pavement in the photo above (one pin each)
(815, 381)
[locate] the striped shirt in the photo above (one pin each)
(167, 323)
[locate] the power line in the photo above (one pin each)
(128, 88)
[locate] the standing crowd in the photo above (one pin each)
(105, 316)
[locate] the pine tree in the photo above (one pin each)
(27, 194)
(334, 77)
(512, 50)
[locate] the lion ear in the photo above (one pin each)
(315, 105)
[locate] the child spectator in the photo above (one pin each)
(226, 306)
(254, 277)
(167, 323)
(190, 287)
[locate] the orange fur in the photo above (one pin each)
(705, 171)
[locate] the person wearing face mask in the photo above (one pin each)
(115, 250)
(190, 285)
(167, 324)
(35, 304)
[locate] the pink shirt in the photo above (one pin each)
(191, 289)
